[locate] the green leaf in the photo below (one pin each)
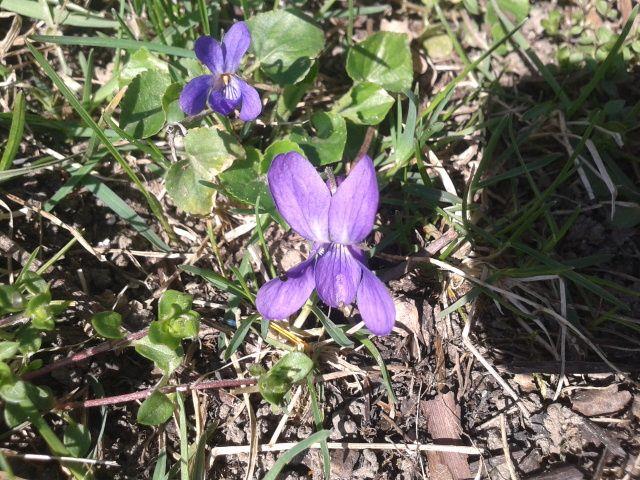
(32, 283)
(171, 103)
(141, 61)
(327, 143)
(15, 392)
(184, 186)
(29, 340)
(155, 410)
(6, 375)
(364, 104)
(332, 329)
(438, 46)
(172, 303)
(375, 353)
(292, 94)
(209, 152)
(107, 324)
(290, 369)
(39, 310)
(77, 439)
(290, 454)
(11, 300)
(15, 133)
(8, 350)
(142, 115)
(185, 325)
(384, 58)
(165, 358)
(243, 183)
(285, 42)
(159, 334)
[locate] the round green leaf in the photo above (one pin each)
(77, 439)
(8, 350)
(326, 145)
(142, 115)
(33, 283)
(243, 183)
(14, 392)
(438, 46)
(185, 325)
(11, 300)
(285, 42)
(6, 375)
(39, 310)
(364, 104)
(155, 410)
(159, 333)
(172, 303)
(384, 58)
(107, 324)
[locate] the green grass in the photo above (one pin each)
(519, 185)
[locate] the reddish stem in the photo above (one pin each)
(130, 397)
(84, 354)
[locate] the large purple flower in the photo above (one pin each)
(223, 90)
(336, 222)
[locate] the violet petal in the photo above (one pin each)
(300, 195)
(338, 274)
(227, 98)
(234, 45)
(251, 103)
(209, 52)
(354, 205)
(193, 98)
(278, 299)
(375, 304)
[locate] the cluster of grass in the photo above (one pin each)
(552, 148)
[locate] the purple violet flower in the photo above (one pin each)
(336, 220)
(223, 90)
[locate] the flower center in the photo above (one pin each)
(226, 78)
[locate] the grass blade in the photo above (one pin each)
(375, 353)
(318, 419)
(123, 43)
(33, 9)
(289, 455)
(239, 336)
(216, 280)
(15, 134)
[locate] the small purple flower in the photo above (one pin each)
(223, 90)
(336, 222)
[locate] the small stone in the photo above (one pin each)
(600, 401)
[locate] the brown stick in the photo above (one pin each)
(130, 397)
(84, 354)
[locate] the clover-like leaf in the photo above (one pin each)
(364, 104)
(208, 152)
(327, 143)
(287, 371)
(285, 42)
(384, 58)
(142, 115)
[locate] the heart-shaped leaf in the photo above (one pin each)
(285, 42)
(364, 104)
(384, 58)
(208, 152)
(142, 115)
(165, 358)
(287, 371)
